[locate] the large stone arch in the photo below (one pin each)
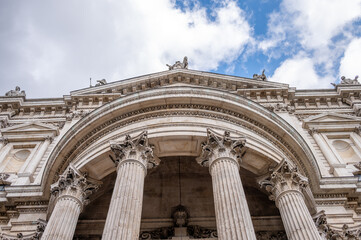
(185, 112)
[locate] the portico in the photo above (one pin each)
(223, 145)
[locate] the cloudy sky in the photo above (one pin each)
(50, 48)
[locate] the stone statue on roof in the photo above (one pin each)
(101, 82)
(15, 93)
(345, 80)
(261, 77)
(179, 64)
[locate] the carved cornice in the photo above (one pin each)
(221, 146)
(74, 184)
(284, 178)
(135, 149)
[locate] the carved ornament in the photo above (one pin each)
(269, 235)
(284, 178)
(196, 231)
(221, 146)
(326, 231)
(25, 236)
(73, 183)
(136, 148)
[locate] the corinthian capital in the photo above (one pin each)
(137, 149)
(220, 146)
(75, 184)
(282, 179)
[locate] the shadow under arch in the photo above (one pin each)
(99, 123)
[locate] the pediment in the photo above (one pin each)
(184, 77)
(34, 128)
(331, 120)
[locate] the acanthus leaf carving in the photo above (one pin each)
(218, 146)
(75, 184)
(284, 178)
(136, 148)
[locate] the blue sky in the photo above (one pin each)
(50, 48)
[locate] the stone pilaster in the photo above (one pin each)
(337, 168)
(222, 154)
(286, 186)
(71, 193)
(133, 157)
(30, 169)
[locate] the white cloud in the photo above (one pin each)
(351, 62)
(318, 29)
(313, 22)
(66, 44)
(299, 71)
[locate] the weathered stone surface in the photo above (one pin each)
(40, 138)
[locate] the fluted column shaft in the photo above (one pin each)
(133, 157)
(286, 185)
(222, 155)
(232, 213)
(70, 194)
(64, 218)
(124, 216)
(296, 218)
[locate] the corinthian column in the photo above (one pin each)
(286, 185)
(133, 157)
(71, 193)
(222, 155)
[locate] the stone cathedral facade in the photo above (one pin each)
(182, 154)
